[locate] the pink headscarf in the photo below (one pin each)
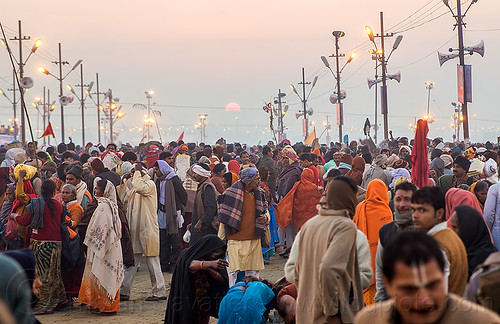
(455, 197)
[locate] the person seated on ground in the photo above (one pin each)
(413, 269)
(248, 301)
(199, 282)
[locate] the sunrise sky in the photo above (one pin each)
(198, 56)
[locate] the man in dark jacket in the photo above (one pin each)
(268, 162)
(289, 175)
(203, 221)
(100, 171)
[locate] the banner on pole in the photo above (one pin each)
(464, 73)
(340, 114)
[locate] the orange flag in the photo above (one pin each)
(309, 140)
(48, 131)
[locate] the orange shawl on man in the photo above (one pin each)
(370, 216)
(299, 204)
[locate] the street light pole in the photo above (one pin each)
(82, 105)
(429, 86)
(339, 97)
(110, 115)
(384, 79)
(60, 63)
(98, 109)
(304, 103)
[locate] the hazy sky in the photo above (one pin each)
(198, 56)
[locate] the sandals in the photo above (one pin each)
(45, 311)
(156, 298)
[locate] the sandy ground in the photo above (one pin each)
(137, 310)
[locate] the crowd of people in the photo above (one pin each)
(404, 231)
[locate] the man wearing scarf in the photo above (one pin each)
(242, 212)
(402, 222)
(143, 223)
(74, 177)
(172, 198)
(203, 221)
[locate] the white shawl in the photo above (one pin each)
(103, 242)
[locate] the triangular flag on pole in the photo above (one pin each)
(181, 137)
(48, 131)
(311, 137)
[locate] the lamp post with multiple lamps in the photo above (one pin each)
(83, 94)
(305, 112)
(14, 129)
(383, 62)
(21, 63)
(339, 94)
(45, 109)
(60, 78)
(429, 86)
(202, 125)
(148, 121)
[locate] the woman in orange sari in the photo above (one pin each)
(370, 216)
(299, 204)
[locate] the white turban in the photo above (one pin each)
(199, 170)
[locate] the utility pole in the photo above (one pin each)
(60, 63)
(384, 78)
(14, 103)
(376, 100)
(327, 131)
(82, 102)
(304, 104)
(20, 38)
(339, 97)
(281, 127)
(461, 56)
(48, 112)
(110, 115)
(98, 109)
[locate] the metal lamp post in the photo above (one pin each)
(340, 109)
(60, 78)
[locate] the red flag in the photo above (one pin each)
(420, 163)
(181, 137)
(48, 131)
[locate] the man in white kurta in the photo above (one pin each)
(143, 223)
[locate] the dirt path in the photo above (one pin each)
(137, 310)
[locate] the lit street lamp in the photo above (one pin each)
(149, 96)
(21, 63)
(429, 85)
(60, 78)
(339, 94)
(383, 62)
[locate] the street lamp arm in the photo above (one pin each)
(470, 5)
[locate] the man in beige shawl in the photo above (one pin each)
(143, 223)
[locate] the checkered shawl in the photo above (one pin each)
(231, 207)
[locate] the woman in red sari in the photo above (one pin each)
(299, 204)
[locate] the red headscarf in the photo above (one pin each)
(299, 204)
(456, 196)
(234, 167)
(358, 167)
(420, 163)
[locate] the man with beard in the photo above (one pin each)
(413, 267)
(402, 222)
(460, 168)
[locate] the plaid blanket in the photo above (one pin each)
(231, 207)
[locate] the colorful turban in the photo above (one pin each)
(290, 154)
(247, 175)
